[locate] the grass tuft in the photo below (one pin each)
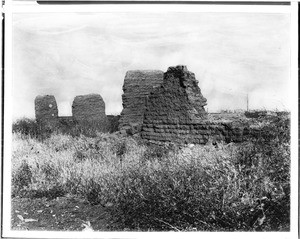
(244, 187)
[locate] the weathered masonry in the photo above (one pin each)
(174, 107)
(137, 86)
(46, 109)
(89, 107)
(175, 113)
(160, 107)
(169, 107)
(178, 100)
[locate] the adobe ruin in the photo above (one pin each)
(178, 100)
(137, 86)
(46, 108)
(89, 107)
(174, 107)
(85, 108)
(169, 107)
(159, 107)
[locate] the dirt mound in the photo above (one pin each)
(60, 214)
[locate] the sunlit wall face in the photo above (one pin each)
(231, 54)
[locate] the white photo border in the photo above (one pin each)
(11, 9)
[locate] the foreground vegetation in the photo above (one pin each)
(242, 187)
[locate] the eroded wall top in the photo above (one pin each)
(45, 108)
(178, 100)
(174, 111)
(89, 107)
(137, 86)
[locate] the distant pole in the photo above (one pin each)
(247, 102)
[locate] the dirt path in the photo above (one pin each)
(63, 214)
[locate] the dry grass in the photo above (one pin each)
(232, 187)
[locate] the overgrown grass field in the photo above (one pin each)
(244, 187)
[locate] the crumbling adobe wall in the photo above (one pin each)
(89, 107)
(173, 107)
(175, 113)
(178, 100)
(137, 86)
(46, 108)
(200, 133)
(113, 121)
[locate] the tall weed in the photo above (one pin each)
(242, 187)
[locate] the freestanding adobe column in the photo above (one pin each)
(174, 109)
(89, 107)
(137, 86)
(46, 108)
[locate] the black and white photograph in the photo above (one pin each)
(150, 118)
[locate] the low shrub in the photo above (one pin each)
(25, 127)
(243, 187)
(64, 125)
(21, 178)
(32, 129)
(113, 122)
(153, 152)
(263, 165)
(91, 128)
(47, 192)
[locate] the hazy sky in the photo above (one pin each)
(231, 54)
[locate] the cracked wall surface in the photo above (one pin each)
(137, 86)
(89, 107)
(46, 108)
(160, 107)
(172, 108)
